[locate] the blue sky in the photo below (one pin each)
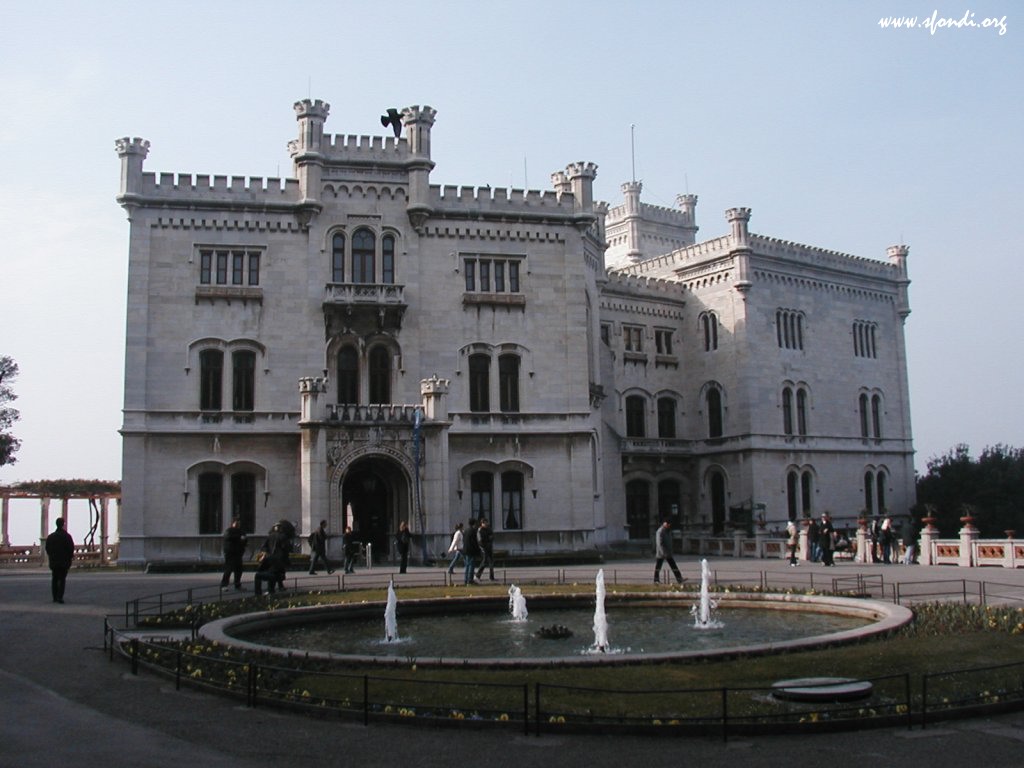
(835, 131)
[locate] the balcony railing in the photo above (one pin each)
(383, 413)
(386, 294)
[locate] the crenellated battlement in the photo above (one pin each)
(821, 257)
(339, 148)
(203, 187)
(500, 200)
(632, 281)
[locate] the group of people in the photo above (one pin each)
(274, 555)
(475, 548)
(824, 540)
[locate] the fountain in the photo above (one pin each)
(390, 614)
(600, 619)
(517, 603)
(703, 609)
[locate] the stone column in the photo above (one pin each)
(928, 535)
(863, 541)
(968, 535)
(5, 520)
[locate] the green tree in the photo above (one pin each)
(991, 488)
(9, 444)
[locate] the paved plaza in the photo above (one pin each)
(65, 703)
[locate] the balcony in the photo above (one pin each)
(363, 307)
(655, 446)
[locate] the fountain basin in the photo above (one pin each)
(878, 617)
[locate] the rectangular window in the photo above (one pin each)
(211, 499)
(205, 267)
(633, 338)
(254, 269)
(663, 341)
(235, 267)
(482, 495)
(243, 500)
(211, 371)
(491, 275)
(222, 267)
(512, 501)
(243, 380)
(508, 383)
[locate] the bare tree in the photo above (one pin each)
(9, 444)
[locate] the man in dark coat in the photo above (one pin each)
(60, 551)
(234, 553)
(485, 535)
(471, 551)
(403, 539)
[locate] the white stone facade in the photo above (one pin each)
(356, 345)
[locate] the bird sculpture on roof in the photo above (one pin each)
(394, 119)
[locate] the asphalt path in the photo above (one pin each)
(63, 702)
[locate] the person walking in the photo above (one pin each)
(60, 552)
(273, 561)
(234, 554)
(909, 534)
(455, 548)
(350, 547)
(318, 549)
(485, 534)
(471, 551)
(402, 541)
(663, 553)
(792, 541)
(826, 539)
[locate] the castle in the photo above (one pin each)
(357, 345)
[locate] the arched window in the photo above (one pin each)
(638, 506)
(789, 328)
(805, 492)
(348, 375)
(512, 501)
(880, 487)
(792, 487)
(243, 500)
(666, 417)
(636, 416)
(717, 482)
(709, 325)
(338, 258)
(714, 406)
(479, 383)
(801, 411)
(876, 416)
(364, 245)
(380, 375)
(481, 485)
(508, 383)
(869, 492)
(787, 411)
(863, 402)
(669, 505)
(387, 259)
(211, 502)
(211, 377)
(243, 380)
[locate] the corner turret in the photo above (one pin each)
(418, 122)
(898, 258)
(739, 219)
(631, 203)
(306, 151)
(133, 154)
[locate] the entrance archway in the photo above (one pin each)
(375, 498)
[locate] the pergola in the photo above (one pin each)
(98, 493)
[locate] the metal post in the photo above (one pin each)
(369, 556)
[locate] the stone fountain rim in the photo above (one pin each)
(885, 618)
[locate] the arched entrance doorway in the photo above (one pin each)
(375, 498)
